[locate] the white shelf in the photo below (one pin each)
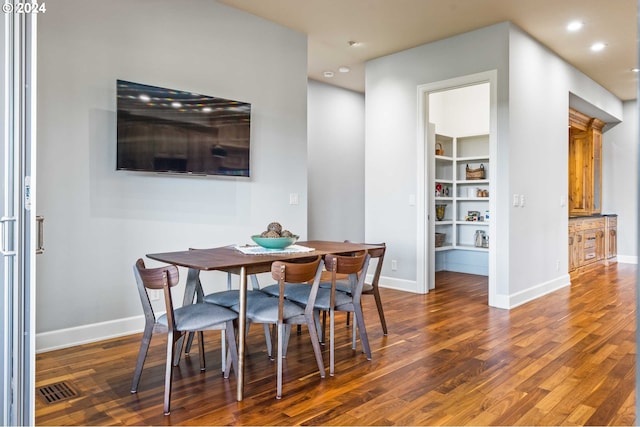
(459, 152)
(472, 159)
(470, 248)
(471, 199)
(460, 248)
(446, 158)
(472, 181)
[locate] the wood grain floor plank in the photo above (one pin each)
(567, 358)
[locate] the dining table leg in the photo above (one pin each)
(242, 322)
(193, 279)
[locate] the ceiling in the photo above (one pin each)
(388, 26)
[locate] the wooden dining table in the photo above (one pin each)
(230, 259)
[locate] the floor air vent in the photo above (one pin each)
(54, 393)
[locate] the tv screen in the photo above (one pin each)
(166, 130)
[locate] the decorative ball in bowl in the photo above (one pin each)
(274, 242)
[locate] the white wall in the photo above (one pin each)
(392, 133)
(99, 221)
(533, 99)
(619, 178)
(336, 163)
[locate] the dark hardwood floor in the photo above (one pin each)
(564, 359)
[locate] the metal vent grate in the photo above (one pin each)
(57, 392)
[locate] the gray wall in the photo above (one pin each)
(533, 98)
(99, 221)
(336, 163)
(619, 178)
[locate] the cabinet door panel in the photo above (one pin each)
(580, 164)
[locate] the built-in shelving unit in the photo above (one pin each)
(460, 196)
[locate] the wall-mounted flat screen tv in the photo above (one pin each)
(174, 131)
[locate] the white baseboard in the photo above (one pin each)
(63, 338)
(398, 284)
(522, 297)
(628, 259)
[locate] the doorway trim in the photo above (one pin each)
(422, 201)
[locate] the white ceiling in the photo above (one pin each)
(388, 26)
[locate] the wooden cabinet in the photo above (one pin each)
(575, 246)
(588, 244)
(585, 164)
(611, 239)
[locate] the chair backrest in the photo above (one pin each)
(379, 254)
(300, 271)
(355, 266)
(345, 264)
(296, 272)
(163, 278)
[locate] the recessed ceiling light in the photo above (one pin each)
(635, 70)
(354, 43)
(206, 109)
(598, 46)
(176, 104)
(344, 69)
(328, 74)
(145, 98)
(575, 26)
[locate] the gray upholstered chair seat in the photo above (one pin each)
(344, 286)
(341, 285)
(230, 298)
(197, 317)
(323, 299)
(274, 290)
(223, 298)
(367, 287)
(263, 310)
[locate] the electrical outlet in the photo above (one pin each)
(516, 200)
(394, 264)
(522, 200)
(294, 199)
(557, 265)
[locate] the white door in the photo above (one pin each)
(17, 217)
(431, 144)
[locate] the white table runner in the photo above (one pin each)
(259, 250)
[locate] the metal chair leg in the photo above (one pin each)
(332, 347)
(232, 350)
(142, 355)
(361, 328)
(383, 322)
(171, 344)
(280, 333)
(203, 365)
(315, 343)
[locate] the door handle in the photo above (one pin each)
(5, 238)
(40, 240)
